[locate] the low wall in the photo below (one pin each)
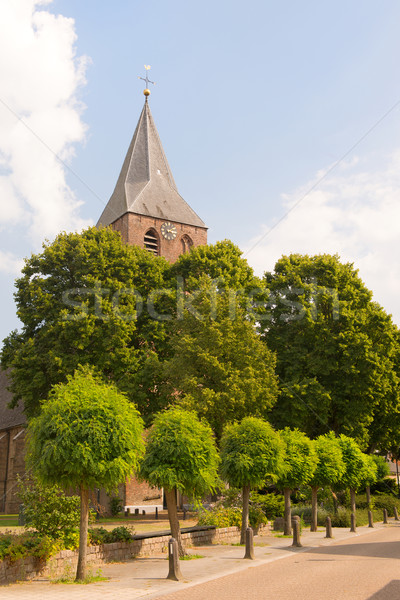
(65, 562)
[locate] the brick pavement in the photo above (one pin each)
(146, 577)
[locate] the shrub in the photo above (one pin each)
(385, 486)
(272, 505)
(221, 516)
(387, 501)
(48, 510)
(116, 505)
(31, 543)
(99, 535)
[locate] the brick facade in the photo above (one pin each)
(12, 464)
(133, 228)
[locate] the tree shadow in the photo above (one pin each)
(370, 549)
(390, 591)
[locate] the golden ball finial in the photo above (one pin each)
(146, 92)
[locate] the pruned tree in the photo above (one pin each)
(87, 435)
(300, 463)
(358, 468)
(329, 470)
(180, 455)
(251, 452)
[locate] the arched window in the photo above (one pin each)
(187, 243)
(151, 241)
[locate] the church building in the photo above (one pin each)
(145, 205)
(148, 211)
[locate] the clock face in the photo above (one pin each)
(168, 230)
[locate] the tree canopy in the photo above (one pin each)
(180, 455)
(300, 463)
(219, 366)
(329, 470)
(79, 303)
(337, 350)
(87, 435)
(251, 452)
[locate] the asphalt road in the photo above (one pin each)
(363, 568)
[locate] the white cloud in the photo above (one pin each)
(355, 212)
(10, 264)
(40, 77)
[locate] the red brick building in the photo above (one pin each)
(12, 448)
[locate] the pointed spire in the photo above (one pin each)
(145, 185)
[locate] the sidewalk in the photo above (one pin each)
(146, 577)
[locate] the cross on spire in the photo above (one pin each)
(146, 92)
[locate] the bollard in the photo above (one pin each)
(396, 514)
(328, 528)
(184, 513)
(296, 533)
(156, 512)
(353, 523)
(370, 519)
(249, 544)
(173, 559)
(385, 516)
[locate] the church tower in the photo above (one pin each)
(145, 205)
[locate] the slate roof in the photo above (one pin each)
(9, 417)
(145, 185)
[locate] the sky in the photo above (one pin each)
(280, 121)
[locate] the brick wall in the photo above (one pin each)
(133, 228)
(12, 447)
(66, 560)
(141, 493)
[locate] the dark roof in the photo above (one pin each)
(9, 417)
(145, 185)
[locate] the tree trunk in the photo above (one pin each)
(170, 496)
(368, 493)
(288, 513)
(83, 534)
(314, 509)
(245, 513)
(353, 501)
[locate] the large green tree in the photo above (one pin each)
(300, 463)
(219, 367)
(181, 455)
(251, 452)
(337, 350)
(87, 435)
(83, 300)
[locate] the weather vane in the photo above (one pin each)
(146, 92)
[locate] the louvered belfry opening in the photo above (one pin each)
(151, 241)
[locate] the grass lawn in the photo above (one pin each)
(8, 521)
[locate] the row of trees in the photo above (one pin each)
(206, 334)
(88, 435)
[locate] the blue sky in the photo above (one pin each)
(261, 106)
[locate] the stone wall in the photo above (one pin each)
(65, 562)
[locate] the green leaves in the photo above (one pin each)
(180, 453)
(251, 452)
(337, 351)
(79, 304)
(87, 432)
(300, 459)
